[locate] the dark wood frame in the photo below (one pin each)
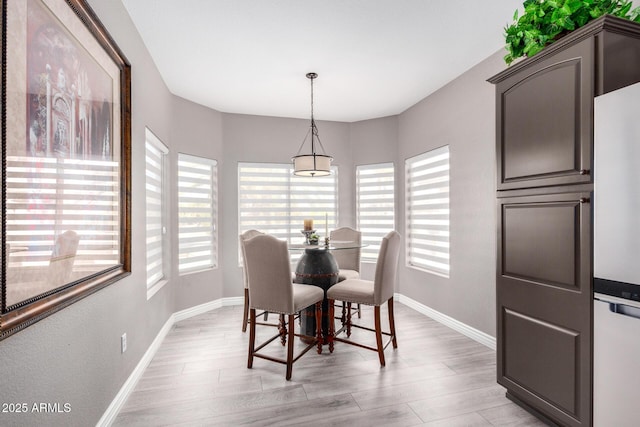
(28, 312)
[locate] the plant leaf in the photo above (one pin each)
(542, 21)
(624, 10)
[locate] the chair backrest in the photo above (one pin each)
(347, 259)
(386, 268)
(62, 258)
(242, 238)
(269, 274)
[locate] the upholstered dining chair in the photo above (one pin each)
(58, 273)
(63, 257)
(271, 289)
(243, 237)
(348, 260)
(374, 293)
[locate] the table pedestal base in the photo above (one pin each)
(316, 267)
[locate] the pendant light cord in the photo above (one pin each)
(313, 129)
(312, 99)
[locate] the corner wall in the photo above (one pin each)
(462, 115)
(374, 141)
(197, 131)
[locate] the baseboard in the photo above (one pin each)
(463, 328)
(130, 384)
(198, 309)
(233, 301)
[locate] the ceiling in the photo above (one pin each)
(374, 58)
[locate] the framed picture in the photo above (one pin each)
(66, 137)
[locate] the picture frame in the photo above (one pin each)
(66, 159)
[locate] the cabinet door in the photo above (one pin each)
(544, 304)
(545, 121)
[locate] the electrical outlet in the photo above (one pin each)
(123, 342)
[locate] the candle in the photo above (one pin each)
(308, 224)
(326, 224)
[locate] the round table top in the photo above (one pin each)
(334, 245)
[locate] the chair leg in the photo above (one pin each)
(252, 337)
(266, 316)
(348, 319)
(319, 325)
(343, 319)
(332, 327)
(290, 347)
(392, 323)
(359, 311)
(376, 312)
(282, 328)
(246, 310)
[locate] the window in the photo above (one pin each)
(273, 200)
(427, 207)
(197, 213)
(375, 206)
(156, 181)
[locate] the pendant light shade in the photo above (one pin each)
(312, 164)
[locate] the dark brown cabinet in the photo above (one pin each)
(544, 150)
(545, 136)
(544, 299)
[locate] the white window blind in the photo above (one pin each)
(197, 213)
(375, 187)
(427, 210)
(155, 188)
(47, 196)
(273, 200)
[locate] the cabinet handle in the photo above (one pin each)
(584, 171)
(625, 310)
(584, 200)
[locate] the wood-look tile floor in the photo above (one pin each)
(436, 377)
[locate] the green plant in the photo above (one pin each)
(544, 21)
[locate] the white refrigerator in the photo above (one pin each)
(616, 341)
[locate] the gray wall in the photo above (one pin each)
(375, 141)
(196, 130)
(74, 356)
(462, 115)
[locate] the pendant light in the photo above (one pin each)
(312, 164)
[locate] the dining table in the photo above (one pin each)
(318, 267)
